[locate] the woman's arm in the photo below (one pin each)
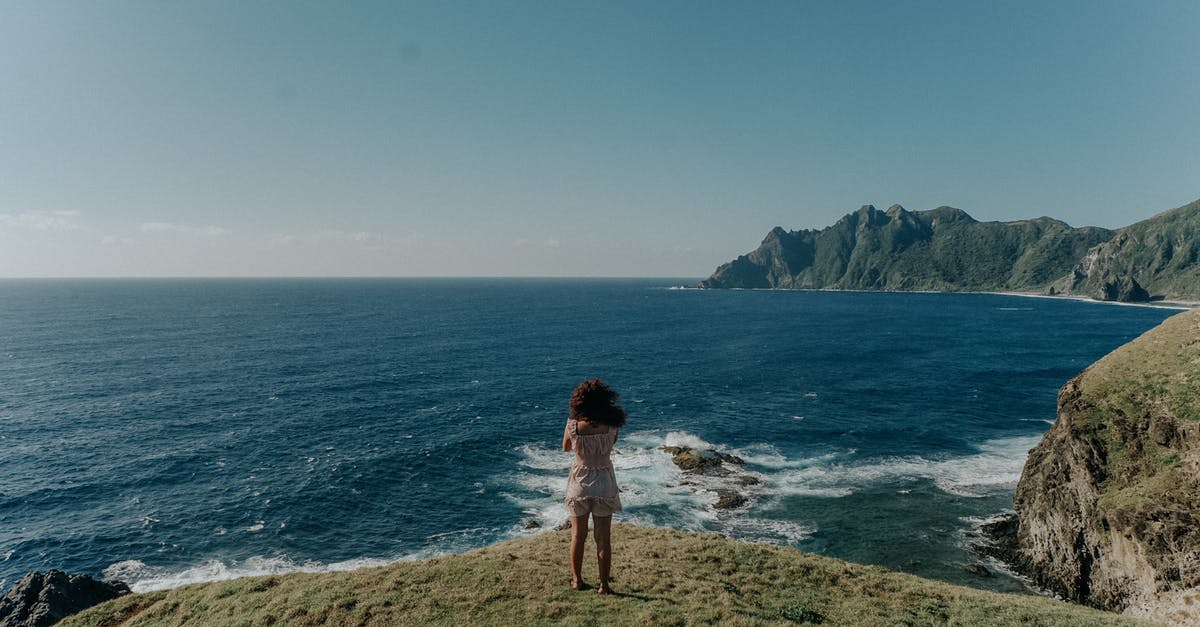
(567, 437)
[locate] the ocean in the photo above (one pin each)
(170, 431)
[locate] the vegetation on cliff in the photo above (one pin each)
(1161, 254)
(662, 577)
(945, 249)
(1109, 500)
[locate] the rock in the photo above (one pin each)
(998, 539)
(532, 524)
(978, 570)
(707, 462)
(1162, 253)
(728, 499)
(745, 480)
(41, 599)
(694, 462)
(562, 526)
(1122, 289)
(1109, 500)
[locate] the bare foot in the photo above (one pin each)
(604, 589)
(577, 584)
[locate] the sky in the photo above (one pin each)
(566, 138)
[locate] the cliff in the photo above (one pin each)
(1160, 256)
(945, 249)
(1109, 500)
(661, 576)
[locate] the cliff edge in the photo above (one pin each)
(661, 577)
(1109, 500)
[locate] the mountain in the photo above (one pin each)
(945, 249)
(941, 249)
(1161, 254)
(1108, 504)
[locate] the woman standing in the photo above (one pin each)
(592, 485)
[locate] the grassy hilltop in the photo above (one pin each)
(662, 577)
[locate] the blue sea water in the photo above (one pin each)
(169, 431)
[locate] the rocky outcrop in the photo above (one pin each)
(1124, 289)
(1158, 257)
(728, 499)
(706, 462)
(1109, 501)
(41, 599)
(717, 467)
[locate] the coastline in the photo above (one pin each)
(1181, 305)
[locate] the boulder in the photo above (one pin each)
(41, 599)
(728, 499)
(706, 462)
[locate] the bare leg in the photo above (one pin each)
(603, 550)
(579, 529)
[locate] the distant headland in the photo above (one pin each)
(945, 249)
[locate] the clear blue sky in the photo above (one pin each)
(566, 138)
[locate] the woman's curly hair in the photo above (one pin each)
(596, 403)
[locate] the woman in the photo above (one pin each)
(591, 485)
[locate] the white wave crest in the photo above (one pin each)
(143, 578)
(996, 465)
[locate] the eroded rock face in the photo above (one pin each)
(1121, 289)
(1109, 500)
(41, 599)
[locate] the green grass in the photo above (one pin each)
(662, 577)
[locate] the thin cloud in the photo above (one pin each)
(332, 235)
(549, 242)
(172, 227)
(39, 221)
(116, 240)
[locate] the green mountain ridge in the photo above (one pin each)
(945, 249)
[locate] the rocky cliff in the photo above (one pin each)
(945, 249)
(1159, 256)
(1109, 501)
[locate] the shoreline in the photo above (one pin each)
(1181, 305)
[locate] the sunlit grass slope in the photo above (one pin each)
(662, 576)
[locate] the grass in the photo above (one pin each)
(662, 577)
(1144, 421)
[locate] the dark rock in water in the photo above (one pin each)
(532, 524)
(728, 499)
(978, 570)
(998, 540)
(706, 462)
(748, 480)
(41, 599)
